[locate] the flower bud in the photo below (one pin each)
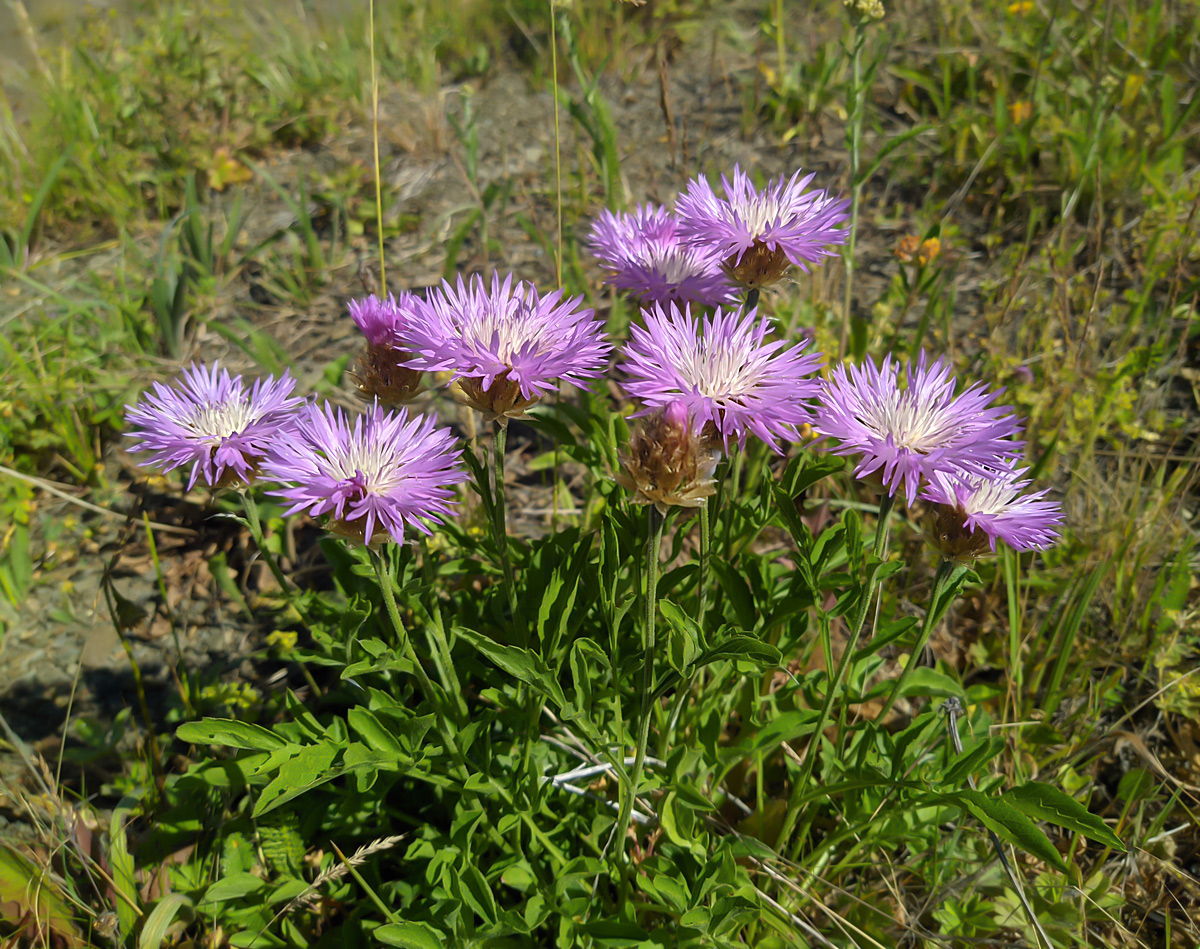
(669, 463)
(380, 375)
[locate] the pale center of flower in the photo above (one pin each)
(505, 330)
(673, 264)
(921, 429)
(988, 497)
(758, 212)
(367, 466)
(210, 423)
(720, 374)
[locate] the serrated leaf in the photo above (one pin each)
(1048, 803)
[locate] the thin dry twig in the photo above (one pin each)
(49, 488)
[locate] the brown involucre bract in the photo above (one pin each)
(669, 463)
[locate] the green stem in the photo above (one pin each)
(437, 635)
(655, 521)
(685, 687)
(835, 683)
(751, 299)
(256, 531)
(705, 553)
(734, 487)
(947, 574)
(854, 142)
(500, 523)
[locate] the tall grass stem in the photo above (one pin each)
(375, 142)
(854, 145)
(500, 517)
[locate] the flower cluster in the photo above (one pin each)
(383, 473)
(962, 446)
(708, 374)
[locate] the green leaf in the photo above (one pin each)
(298, 775)
(1005, 821)
(409, 935)
(230, 732)
(519, 663)
(477, 894)
(970, 762)
(742, 647)
(232, 887)
(1048, 803)
(930, 682)
(154, 930)
(373, 732)
(738, 592)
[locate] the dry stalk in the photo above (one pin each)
(337, 871)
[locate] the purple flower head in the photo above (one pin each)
(381, 372)
(724, 369)
(910, 433)
(212, 421)
(757, 234)
(385, 322)
(508, 346)
(384, 472)
(993, 503)
(647, 257)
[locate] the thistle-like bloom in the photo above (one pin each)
(645, 255)
(970, 512)
(758, 234)
(381, 373)
(213, 422)
(382, 473)
(725, 370)
(910, 433)
(507, 346)
(670, 464)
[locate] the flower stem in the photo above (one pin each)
(835, 683)
(948, 574)
(256, 531)
(705, 553)
(427, 688)
(655, 522)
(500, 523)
(854, 144)
(751, 299)
(437, 636)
